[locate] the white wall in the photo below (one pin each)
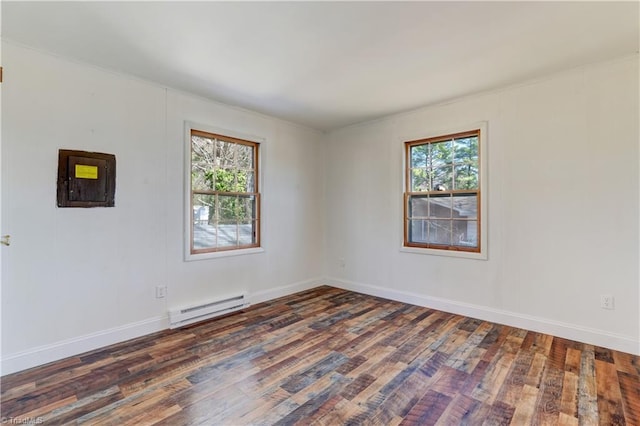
(76, 279)
(562, 198)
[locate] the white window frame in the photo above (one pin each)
(483, 175)
(188, 214)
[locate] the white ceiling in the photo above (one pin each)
(329, 64)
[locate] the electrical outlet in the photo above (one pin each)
(606, 301)
(161, 291)
(341, 262)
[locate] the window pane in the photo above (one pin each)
(466, 176)
(202, 161)
(246, 208)
(202, 149)
(244, 181)
(465, 233)
(225, 180)
(440, 206)
(441, 153)
(201, 176)
(244, 156)
(465, 206)
(204, 236)
(227, 234)
(225, 153)
(419, 180)
(251, 186)
(440, 232)
(204, 230)
(466, 150)
(418, 206)
(229, 208)
(203, 208)
(419, 155)
(418, 230)
(442, 178)
(246, 232)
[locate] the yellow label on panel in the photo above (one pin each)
(86, 172)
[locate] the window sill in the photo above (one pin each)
(226, 253)
(446, 253)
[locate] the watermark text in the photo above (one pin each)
(22, 420)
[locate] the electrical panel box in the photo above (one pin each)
(86, 179)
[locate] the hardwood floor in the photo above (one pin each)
(333, 357)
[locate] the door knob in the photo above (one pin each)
(5, 240)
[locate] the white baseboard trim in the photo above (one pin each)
(78, 345)
(71, 347)
(541, 325)
(286, 290)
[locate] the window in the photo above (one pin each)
(225, 202)
(442, 193)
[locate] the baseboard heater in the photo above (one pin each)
(213, 308)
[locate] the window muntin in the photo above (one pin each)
(442, 193)
(225, 202)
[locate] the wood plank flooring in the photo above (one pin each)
(333, 357)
